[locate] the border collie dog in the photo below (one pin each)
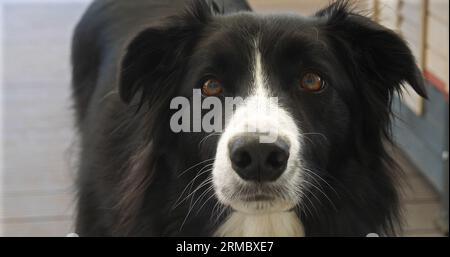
(324, 171)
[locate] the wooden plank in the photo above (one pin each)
(422, 216)
(437, 65)
(31, 28)
(439, 9)
(53, 227)
(38, 204)
(388, 9)
(388, 14)
(438, 38)
(411, 12)
(40, 23)
(411, 33)
(28, 63)
(423, 233)
(417, 190)
(38, 128)
(38, 120)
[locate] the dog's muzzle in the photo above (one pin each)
(258, 159)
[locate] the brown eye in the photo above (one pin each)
(212, 87)
(312, 82)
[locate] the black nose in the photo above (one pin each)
(255, 161)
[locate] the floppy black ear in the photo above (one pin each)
(157, 54)
(376, 50)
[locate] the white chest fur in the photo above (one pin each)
(283, 224)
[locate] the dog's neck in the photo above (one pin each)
(282, 224)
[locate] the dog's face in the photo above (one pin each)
(293, 110)
(312, 89)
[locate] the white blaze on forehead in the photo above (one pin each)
(254, 115)
(259, 78)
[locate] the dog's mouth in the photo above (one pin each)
(265, 206)
(258, 199)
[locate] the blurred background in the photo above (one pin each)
(38, 142)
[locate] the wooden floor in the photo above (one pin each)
(39, 141)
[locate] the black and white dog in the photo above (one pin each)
(324, 173)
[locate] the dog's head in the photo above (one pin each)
(316, 92)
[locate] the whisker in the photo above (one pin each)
(311, 172)
(190, 168)
(309, 200)
(190, 184)
(222, 211)
(303, 206)
(326, 196)
(209, 198)
(208, 169)
(179, 202)
(192, 206)
(336, 181)
(313, 178)
(315, 134)
(217, 212)
(203, 194)
(309, 139)
(207, 137)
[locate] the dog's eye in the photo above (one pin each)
(212, 87)
(311, 82)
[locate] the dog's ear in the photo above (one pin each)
(376, 50)
(158, 53)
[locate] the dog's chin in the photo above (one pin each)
(254, 198)
(262, 206)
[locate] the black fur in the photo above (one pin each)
(130, 58)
